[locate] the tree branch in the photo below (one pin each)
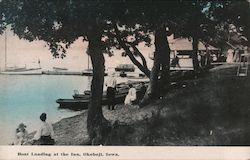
(144, 62)
(130, 54)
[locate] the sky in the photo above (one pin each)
(22, 52)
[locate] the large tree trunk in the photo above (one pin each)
(165, 61)
(96, 123)
(195, 44)
(152, 90)
(161, 60)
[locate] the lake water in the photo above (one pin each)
(24, 98)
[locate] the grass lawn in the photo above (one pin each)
(211, 110)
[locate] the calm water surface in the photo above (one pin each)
(24, 98)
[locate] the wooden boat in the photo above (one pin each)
(81, 101)
(73, 104)
(125, 68)
(89, 72)
(59, 72)
(121, 87)
(29, 71)
(60, 68)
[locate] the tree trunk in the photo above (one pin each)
(208, 58)
(161, 60)
(152, 90)
(165, 61)
(195, 44)
(96, 123)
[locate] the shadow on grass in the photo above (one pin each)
(213, 110)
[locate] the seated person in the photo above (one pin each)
(45, 134)
(131, 96)
(21, 135)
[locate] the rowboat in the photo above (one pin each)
(73, 104)
(122, 88)
(81, 101)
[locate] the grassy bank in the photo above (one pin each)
(211, 110)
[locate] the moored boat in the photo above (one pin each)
(89, 72)
(60, 68)
(81, 101)
(59, 72)
(125, 68)
(121, 87)
(30, 71)
(73, 104)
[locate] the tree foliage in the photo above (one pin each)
(120, 24)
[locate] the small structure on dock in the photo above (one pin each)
(181, 49)
(181, 53)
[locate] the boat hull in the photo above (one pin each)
(81, 101)
(61, 73)
(25, 72)
(73, 104)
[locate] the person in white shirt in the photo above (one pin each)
(111, 87)
(131, 96)
(45, 133)
(230, 55)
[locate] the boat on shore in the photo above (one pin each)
(121, 88)
(81, 101)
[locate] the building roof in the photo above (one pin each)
(181, 44)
